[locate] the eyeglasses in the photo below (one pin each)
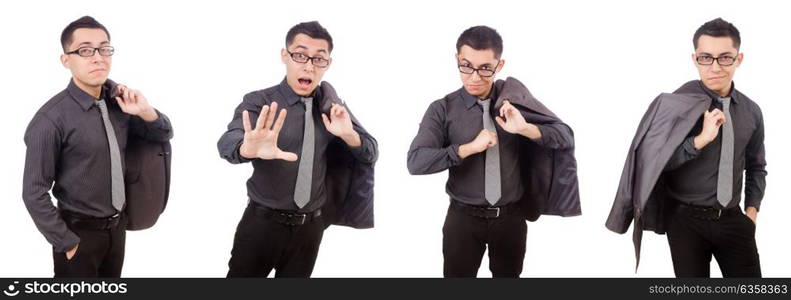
(88, 51)
(707, 60)
(483, 72)
(302, 58)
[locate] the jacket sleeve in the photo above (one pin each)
(428, 152)
(42, 139)
(232, 139)
(755, 167)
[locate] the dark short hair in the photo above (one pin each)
(312, 29)
(85, 22)
(481, 38)
(718, 28)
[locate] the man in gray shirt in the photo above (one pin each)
(288, 191)
(693, 152)
(77, 141)
(486, 181)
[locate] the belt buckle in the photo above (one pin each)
(719, 214)
(108, 223)
(290, 216)
(496, 209)
(304, 216)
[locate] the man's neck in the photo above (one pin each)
(488, 94)
(721, 93)
(94, 91)
(725, 92)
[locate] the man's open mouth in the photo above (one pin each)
(305, 81)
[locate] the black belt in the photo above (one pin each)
(486, 212)
(90, 223)
(707, 213)
(290, 218)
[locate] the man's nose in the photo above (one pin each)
(309, 65)
(475, 76)
(715, 66)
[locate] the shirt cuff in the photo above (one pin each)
(689, 147)
(453, 154)
(68, 242)
(753, 203)
(237, 154)
(359, 151)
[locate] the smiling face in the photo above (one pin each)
(717, 77)
(89, 73)
(475, 84)
(304, 77)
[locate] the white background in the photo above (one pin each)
(596, 64)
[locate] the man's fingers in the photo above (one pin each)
(270, 118)
(326, 120)
(281, 118)
(121, 103)
(262, 117)
(133, 96)
(341, 111)
(136, 96)
(287, 156)
(500, 122)
(246, 121)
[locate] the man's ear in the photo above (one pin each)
(283, 56)
(500, 65)
(739, 59)
(694, 59)
(64, 60)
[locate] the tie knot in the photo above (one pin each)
(485, 104)
(100, 102)
(308, 103)
(725, 101)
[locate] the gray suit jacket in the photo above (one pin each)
(549, 168)
(349, 182)
(641, 195)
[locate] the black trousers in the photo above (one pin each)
(730, 239)
(465, 237)
(262, 244)
(99, 254)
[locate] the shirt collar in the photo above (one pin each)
(82, 98)
(715, 97)
(470, 100)
(292, 97)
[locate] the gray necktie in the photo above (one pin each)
(116, 172)
(305, 174)
(492, 188)
(725, 173)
